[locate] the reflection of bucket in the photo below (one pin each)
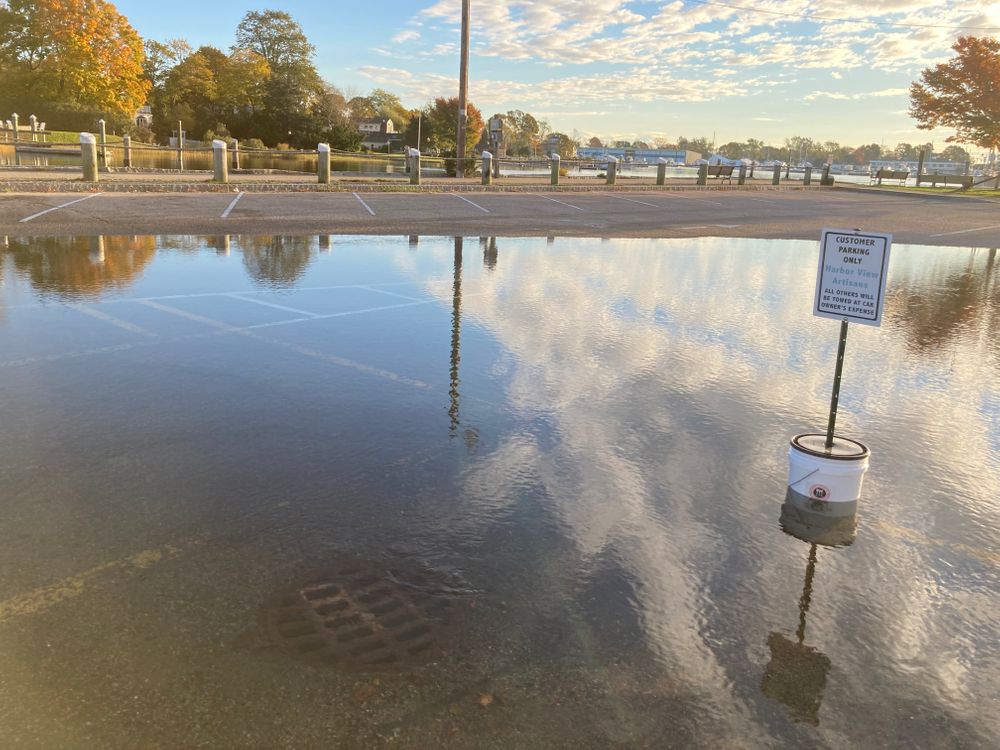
(819, 522)
(829, 475)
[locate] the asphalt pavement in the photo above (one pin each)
(931, 219)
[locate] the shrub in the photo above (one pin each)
(142, 134)
(252, 144)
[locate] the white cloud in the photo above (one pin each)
(855, 96)
(406, 36)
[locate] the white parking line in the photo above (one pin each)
(966, 231)
(231, 206)
(123, 324)
(218, 329)
(463, 198)
(272, 304)
(56, 208)
(632, 200)
(561, 203)
(190, 316)
(367, 207)
(391, 294)
(672, 194)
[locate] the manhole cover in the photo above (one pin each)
(363, 615)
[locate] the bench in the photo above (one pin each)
(946, 179)
(889, 174)
(722, 171)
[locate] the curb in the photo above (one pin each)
(76, 186)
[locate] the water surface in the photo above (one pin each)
(589, 437)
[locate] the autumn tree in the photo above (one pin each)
(595, 142)
(80, 54)
(440, 126)
(963, 93)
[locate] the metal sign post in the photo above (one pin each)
(850, 286)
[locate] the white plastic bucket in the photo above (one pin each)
(825, 475)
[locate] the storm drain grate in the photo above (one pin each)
(363, 615)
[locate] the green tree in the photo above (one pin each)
(565, 146)
(963, 93)
(332, 113)
(522, 132)
(389, 107)
(595, 142)
(294, 86)
(733, 150)
(955, 153)
(701, 145)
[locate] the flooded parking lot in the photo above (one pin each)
(487, 492)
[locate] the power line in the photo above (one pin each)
(811, 17)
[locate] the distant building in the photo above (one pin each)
(376, 125)
(144, 117)
(941, 167)
(388, 142)
(379, 134)
(642, 155)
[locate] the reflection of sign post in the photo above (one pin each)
(796, 674)
(850, 285)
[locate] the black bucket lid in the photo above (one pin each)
(844, 449)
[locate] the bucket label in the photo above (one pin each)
(819, 492)
(850, 283)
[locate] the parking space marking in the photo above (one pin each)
(200, 295)
(367, 207)
(391, 294)
(710, 226)
(231, 206)
(56, 208)
(333, 359)
(189, 315)
(218, 327)
(632, 200)
(46, 597)
(561, 203)
(673, 194)
(272, 304)
(471, 203)
(966, 231)
(123, 324)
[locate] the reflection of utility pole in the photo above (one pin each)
(489, 248)
(463, 91)
(456, 338)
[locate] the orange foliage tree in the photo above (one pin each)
(72, 52)
(963, 93)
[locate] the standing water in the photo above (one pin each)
(482, 492)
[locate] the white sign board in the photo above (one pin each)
(850, 282)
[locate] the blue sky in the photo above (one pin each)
(653, 70)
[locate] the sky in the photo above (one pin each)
(830, 70)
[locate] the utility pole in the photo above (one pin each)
(463, 91)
